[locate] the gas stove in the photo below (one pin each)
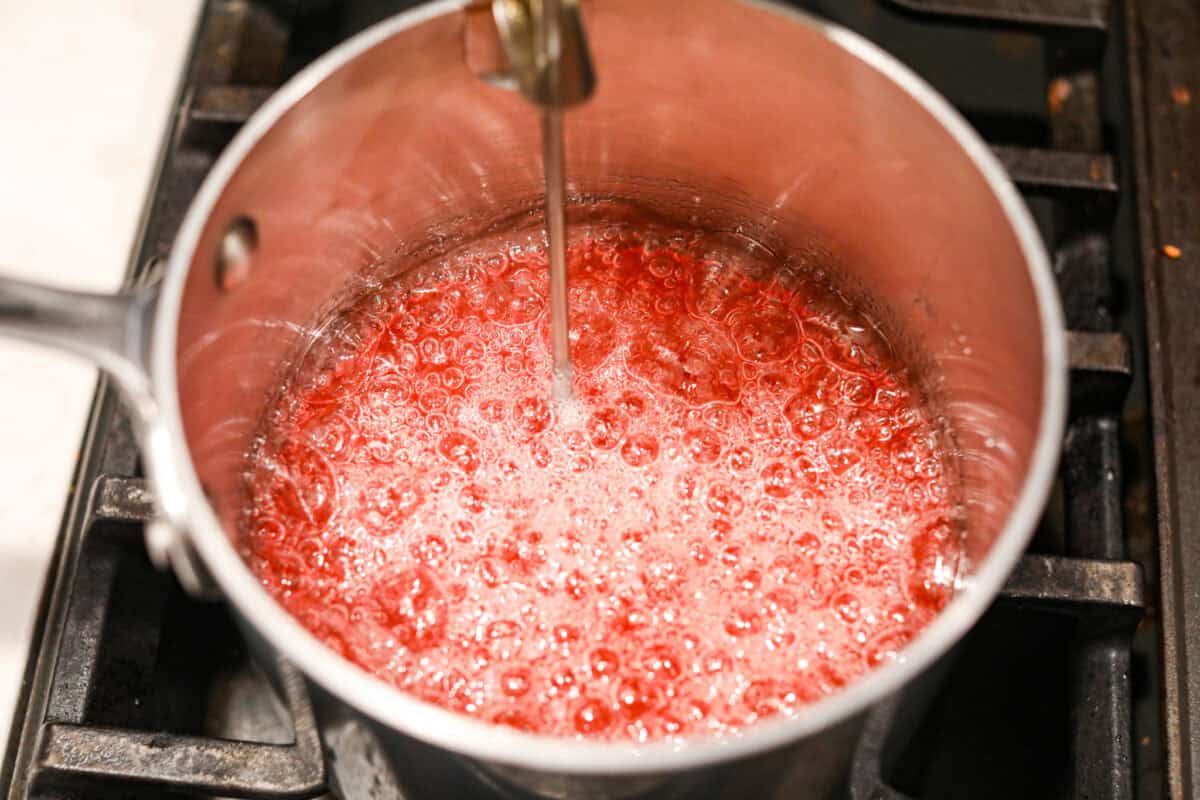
(1073, 685)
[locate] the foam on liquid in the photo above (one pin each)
(745, 510)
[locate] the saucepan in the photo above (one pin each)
(741, 116)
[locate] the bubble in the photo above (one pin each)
(461, 450)
(661, 265)
(305, 488)
(765, 697)
(808, 418)
(749, 580)
(765, 333)
(432, 549)
(687, 486)
(716, 661)
(631, 404)
(576, 584)
(593, 338)
(805, 542)
(488, 572)
(934, 563)
(379, 452)
(744, 621)
(413, 608)
(783, 600)
(541, 454)
(532, 415)
(669, 725)
(565, 634)
(515, 719)
(885, 646)
(857, 390)
(453, 379)
(841, 457)
(502, 629)
(591, 717)
(515, 682)
(434, 399)
(515, 298)
(562, 679)
(473, 498)
(634, 539)
(853, 576)
(604, 661)
(397, 502)
(719, 529)
(605, 428)
(667, 307)
(847, 606)
(637, 696)
(331, 435)
(662, 661)
(723, 501)
(405, 357)
(684, 359)
(312, 552)
(702, 445)
(440, 480)
(723, 417)
(663, 580)
(639, 450)
(779, 480)
(741, 459)
(714, 290)
(887, 397)
(496, 264)
(436, 351)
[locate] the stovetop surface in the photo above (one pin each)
(1045, 699)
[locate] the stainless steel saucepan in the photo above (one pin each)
(715, 112)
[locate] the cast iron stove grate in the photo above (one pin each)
(124, 699)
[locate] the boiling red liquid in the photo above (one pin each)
(744, 511)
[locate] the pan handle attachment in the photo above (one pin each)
(113, 332)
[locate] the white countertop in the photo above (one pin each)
(85, 92)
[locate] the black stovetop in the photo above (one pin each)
(1058, 692)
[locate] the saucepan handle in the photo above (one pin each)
(113, 332)
(110, 330)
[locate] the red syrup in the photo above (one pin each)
(745, 510)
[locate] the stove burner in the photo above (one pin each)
(123, 699)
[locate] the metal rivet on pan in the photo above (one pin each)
(153, 271)
(236, 253)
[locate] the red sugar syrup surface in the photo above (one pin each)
(745, 509)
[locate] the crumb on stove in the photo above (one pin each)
(1057, 93)
(1181, 95)
(1171, 251)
